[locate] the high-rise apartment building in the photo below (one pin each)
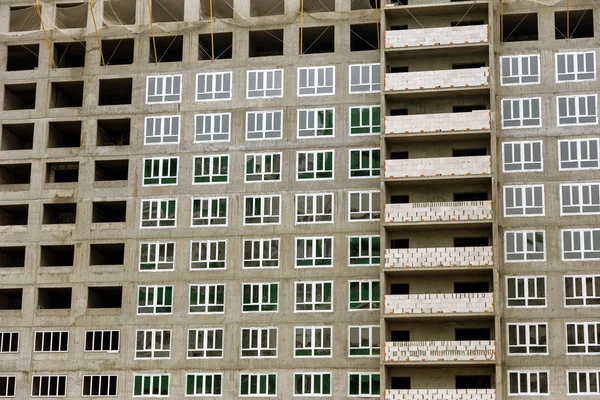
(299, 199)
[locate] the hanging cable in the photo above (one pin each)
(568, 30)
(39, 12)
(301, 26)
(502, 20)
(377, 22)
(152, 32)
(212, 31)
(97, 33)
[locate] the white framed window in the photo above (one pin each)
(582, 290)
(523, 200)
(263, 167)
(100, 385)
(312, 384)
(316, 122)
(153, 343)
(364, 384)
(9, 342)
(313, 341)
(158, 213)
(580, 244)
(314, 252)
(578, 154)
(51, 342)
(259, 342)
(364, 251)
(575, 66)
(212, 127)
(48, 386)
(213, 86)
(524, 246)
(365, 120)
(527, 338)
(207, 298)
(211, 169)
(208, 254)
(261, 253)
(102, 341)
(525, 156)
(264, 84)
(151, 385)
(264, 125)
(521, 113)
(258, 385)
(579, 198)
(160, 171)
(363, 341)
(260, 297)
(211, 211)
(316, 81)
(157, 256)
(363, 206)
(525, 291)
(520, 70)
(262, 210)
(8, 384)
(155, 299)
(528, 383)
(314, 296)
(204, 384)
(364, 78)
(583, 337)
(577, 110)
(364, 163)
(316, 208)
(363, 295)
(161, 89)
(162, 129)
(583, 382)
(314, 165)
(205, 343)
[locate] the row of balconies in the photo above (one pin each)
(446, 351)
(438, 167)
(438, 303)
(452, 211)
(441, 394)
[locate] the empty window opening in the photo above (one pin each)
(519, 27)
(399, 288)
(465, 334)
(400, 382)
(399, 243)
(471, 196)
(168, 49)
(115, 91)
(469, 65)
(69, 55)
(109, 211)
(467, 22)
(474, 382)
(469, 108)
(399, 199)
(62, 172)
(105, 297)
(261, 8)
(118, 51)
(314, 6)
(111, 170)
(64, 134)
(17, 137)
(113, 132)
(574, 24)
(398, 111)
(318, 40)
(19, 96)
(22, 57)
(12, 257)
(11, 299)
(471, 241)
(266, 43)
(63, 213)
(57, 256)
(72, 15)
(107, 254)
(24, 19)
(15, 174)
(469, 152)
(119, 12)
(400, 336)
(364, 37)
(14, 214)
(221, 9)
(471, 287)
(399, 27)
(223, 43)
(54, 298)
(66, 94)
(167, 11)
(398, 69)
(399, 155)
(365, 4)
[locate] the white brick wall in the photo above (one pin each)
(455, 35)
(439, 257)
(429, 123)
(439, 303)
(441, 394)
(443, 166)
(440, 79)
(437, 212)
(475, 350)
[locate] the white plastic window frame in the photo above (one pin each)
(261, 253)
(522, 156)
(523, 339)
(160, 254)
(210, 292)
(97, 336)
(264, 125)
(6, 342)
(50, 380)
(520, 240)
(158, 213)
(520, 69)
(262, 210)
(582, 110)
(584, 290)
(316, 334)
(374, 127)
(581, 70)
(370, 303)
(586, 335)
(311, 296)
(315, 163)
(153, 301)
(165, 89)
(212, 128)
(368, 79)
(211, 384)
(210, 167)
(311, 384)
(259, 291)
(580, 198)
(579, 241)
(365, 158)
(587, 382)
(255, 380)
(205, 341)
(318, 213)
(208, 255)
(374, 384)
(155, 342)
(316, 81)
(266, 166)
(209, 218)
(525, 106)
(368, 206)
(262, 342)
(313, 123)
(527, 291)
(168, 127)
(579, 152)
(216, 86)
(527, 201)
(165, 171)
(272, 84)
(373, 260)
(532, 380)
(48, 341)
(156, 380)
(364, 333)
(314, 252)
(9, 389)
(95, 384)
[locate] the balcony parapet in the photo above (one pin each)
(439, 303)
(437, 80)
(439, 257)
(448, 351)
(441, 394)
(438, 123)
(431, 37)
(453, 211)
(438, 167)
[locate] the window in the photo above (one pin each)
(581, 244)
(314, 252)
(157, 256)
(259, 342)
(582, 290)
(580, 66)
(160, 171)
(208, 254)
(204, 384)
(151, 385)
(51, 341)
(528, 383)
(159, 213)
(314, 296)
(523, 200)
(583, 382)
(522, 156)
(205, 343)
(314, 208)
(364, 251)
(316, 81)
(212, 127)
(264, 84)
(521, 113)
(578, 154)
(162, 130)
(577, 110)
(583, 337)
(363, 295)
(263, 167)
(153, 343)
(107, 341)
(363, 205)
(207, 298)
(364, 78)
(213, 86)
(316, 122)
(7, 385)
(49, 386)
(527, 338)
(261, 253)
(260, 297)
(579, 198)
(163, 89)
(209, 211)
(264, 125)
(363, 384)
(9, 342)
(313, 341)
(262, 210)
(520, 70)
(100, 385)
(526, 291)
(365, 120)
(363, 341)
(312, 384)
(211, 169)
(364, 163)
(155, 299)
(258, 385)
(523, 246)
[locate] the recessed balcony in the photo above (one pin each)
(440, 168)
(441, 394)
(460, 352)
(452, 36)
(435, 124)
(435, 81)
(439, 304)
(439, 257)
(451, 212)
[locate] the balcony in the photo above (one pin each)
(432, 352)
(441, 257)
(474, 121)
(439, 304)
(441, 394)
(432, 82)
(442, 212)
(444, 167)
(436, 37)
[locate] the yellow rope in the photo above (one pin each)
(301, 26)
(39, 12)
(97, 33)
(212, 31)
(152, 31)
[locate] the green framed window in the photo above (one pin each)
(365, 120)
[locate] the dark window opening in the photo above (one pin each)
(19, 96)
(17, 137)
(399, 288)
(472, 334)
(72, 15)
(399, 198)
(15, 174)
(109, 211)
(69, 55)
(54, 298)
(118, 12)
(400, 336)
(111, 170)
(64, 213)
(469, 152)
(14, 214)
(105, 297)
(519, 27)
(64, 134)
(113, 132)
(115, 91)
(400, 2)
(574, 25)
(364, 37)
(469, 65)
(12, 257)
(474, 382)
(400, 382)
(471, 196)
(221, 9)
(262, 8)
(471, 287)
(469, 108)
(467, 23)
(399, 243)
(471, 241)
(22, 57)
(57, 256)
(168, 49)
(399, 155)
(398, 111)
(223, 43)
(318, 40)
(314, 6)
(62, 172)
(11, 299)
(24, 18)
(107, 254)
(365, 4)
(66, 94)
(398, 69)
(168, 11)
(118, 51)
(399, 27)
(266, 43)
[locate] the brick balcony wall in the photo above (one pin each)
(475, 350)
(441, 394)
(453, 211)
(440, 79)
(430, 123)
(443, 166)
(439, 257)
(439, 303)
(446, 36)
